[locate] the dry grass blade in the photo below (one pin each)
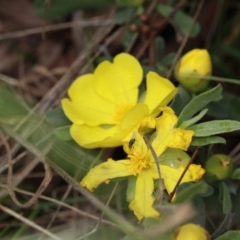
(44, 184)
(28, 222)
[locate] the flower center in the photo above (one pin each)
(140, 162)
(121, 111)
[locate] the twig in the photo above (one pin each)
(183, 173)
(56, 27)
(42, 187)
(82, 213)
(159, 194)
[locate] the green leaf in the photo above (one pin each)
(126, 3)
(225, 197)
(181, 99)
(60, 8)
(193, 120)
(168, 59)
(236, 174)
(56, 117)
(159, 47)
(174, 157)
(230, 235)
(202, 141)
(223, 227)
(190, 191)
(124, 16)
(63, 133)
(198, 103)
(180, 20)
(226, 108)
(214, 127)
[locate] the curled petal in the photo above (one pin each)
(115, 81)
(160, 91)
(104, 172)
(181, 139)
(143, 199)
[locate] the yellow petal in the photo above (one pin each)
(104, 172)
(116, 81)
(171, 175)
(191, 231)
(94, 137)
(180, 139)
(85, 105)
(164, 126)
(143, 199)
(134, 117)
(160, 91)
(167, 135)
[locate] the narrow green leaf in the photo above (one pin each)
(183, 22)
(193, 120)
(60, 8)
(128, 38)
(199, 207)
(63, 133)
(192, 190)
(127, 3)
(181, 99)
(180, 20)
(230, 235)
(223, 227)
(236, 174)
(225, 198)
(215, 127)
(202, 141)
(198, 103)
(56, 117)
(168, 59)
(159, 47)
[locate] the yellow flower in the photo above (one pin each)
(192, 67)
(192, 232)
(141, 164)
(104, 107)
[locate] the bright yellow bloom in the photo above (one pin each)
(141, 164)
(192, 232)
(104, 107)
(190, 69)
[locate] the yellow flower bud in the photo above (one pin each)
(218, 167)
(192, 67)
(191, 231)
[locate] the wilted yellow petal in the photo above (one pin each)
(171, 175)
(143, 199)
(104, 172)
(180, 139)
(116, 81)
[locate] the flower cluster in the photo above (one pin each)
(107, 110)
